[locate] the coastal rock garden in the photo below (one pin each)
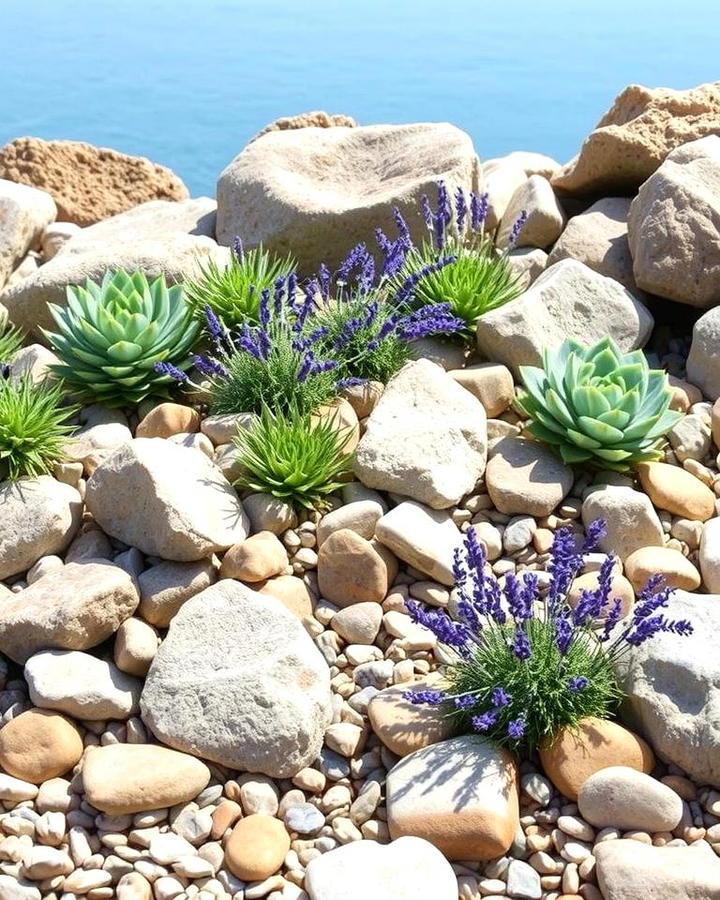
(359, 530)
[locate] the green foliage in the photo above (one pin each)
(111, 336)
(536, 694)
(479, 280)
(293, 457)
(32, 432)
(233, 292)
(11, 339)
(598, 405)
(358, 352)
(250, 383)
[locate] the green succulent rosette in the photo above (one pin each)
(111, 336)
(598, 405)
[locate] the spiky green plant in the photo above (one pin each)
(598, 405)
(32, 432)
(112, 335)
(479, 280)
(11, 339)
(233, 292)
(293, 457)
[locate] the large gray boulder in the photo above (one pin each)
(568, 300)
(166, 500)
(314, 192)
(38, 517)
(703, 364)
(673, 688)
(239, 681)
(426, 438)
(160, 238)
(24, 213)
(674, 226)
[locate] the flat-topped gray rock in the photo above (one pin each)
(76, 608)
(166, 500)
(239, 681)
(316, 192)
(423, 537)
(571, 300)
(525, 477)
(426, 439)
(631, 522)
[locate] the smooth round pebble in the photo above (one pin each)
(256, 847)
(630, 800)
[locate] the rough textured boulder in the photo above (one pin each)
(317, 191)
(239, 681)
(636, 134)
(24, 213)
(703, 364)
(501, 179)
(160, 238)
(38, 517)
(316, 119)
(407, 869)
(80, 606)
(526, 477)
(567, 300)
(87, 183)
(425, 439)
(545, 217)
(673, 687)
(598, 238)
(530, 162)
(675, 215)
(631, 522)
(166, 500)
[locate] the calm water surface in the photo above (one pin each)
(188, 82)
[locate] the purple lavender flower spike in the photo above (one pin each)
(594, 533)
(264, 343)
(428, 696)
(516, 729)
(349, 382)
(563, 634)
(265, 308)
(209, 366)
(611, 621)
(460, 209)
(517, 228)
(466, 701)
(442, 626)
(248, 343)
(402, 226)
(323, 281)
(578, 684)
(238, 247)
(426, 210)
(486, 721)
(478, 210)
(279, 294)
(165, 368)
(305, 367)
(593, 603)
(521, 645)
(383, 241)
(499, 698)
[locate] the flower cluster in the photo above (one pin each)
(528, 665)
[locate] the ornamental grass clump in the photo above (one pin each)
(294, 457)
(111, 337)
(480, 278)
(525, 666)
(598, 405)
(233, 292)
(32, 427)
(11, 340)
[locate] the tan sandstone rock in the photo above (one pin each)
(316, 119)
(636, 134)
(676, 569)
(258, 557)
(256, 847)
(404, 726)
(676, 490)
(352, 570)
(39, 744)
(167, 419)
(87, 183)
(24, 214)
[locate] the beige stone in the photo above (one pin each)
(684, 395)
(78, 608)
(38, 745)
(256, 847)
(620, 588)
(266, 513)
(165, 587)
(630, 519)
(294, 595)
(491, 383)
(359, 623)
(676, 490)
(598, 237)
(622, 797)
(545, 217)
(502, 179)
(351, 570)
(574, 755)
(529, 161)
(363, 397)
(703, 362)
(343, 416)
(527, 264)
(675, 568)
(55, 236)
(269, 193)
(316, 119)
(360, 516)
(24, 213)
(636, 134)
(255, 559)
(136, 644)
(460, 795)
(423, 537)
(167, 419)
(87, 183)
(524, 477)
(404, 726)
(122, 779)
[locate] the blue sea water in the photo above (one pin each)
(188, 82)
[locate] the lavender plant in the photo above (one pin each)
(233, 292)
(525, 666)
(480, 278)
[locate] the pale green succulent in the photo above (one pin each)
(112, 335)
(598, 405)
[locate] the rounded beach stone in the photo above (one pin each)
(491, 383)
(39, 744)
(351, 570)
(677, 570)
(255, 559)
(268, 513)
(710, 555)
(624, 798)
(165, 587)
(359, 623)
(256, 847)
(525, 478)
(361, 517)
(630, 520)
(136, 644)
(294, 595)
(167, 419)
(404, 726)
(342, 415)
(122, 779)
(575, 754)
(677, 491)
